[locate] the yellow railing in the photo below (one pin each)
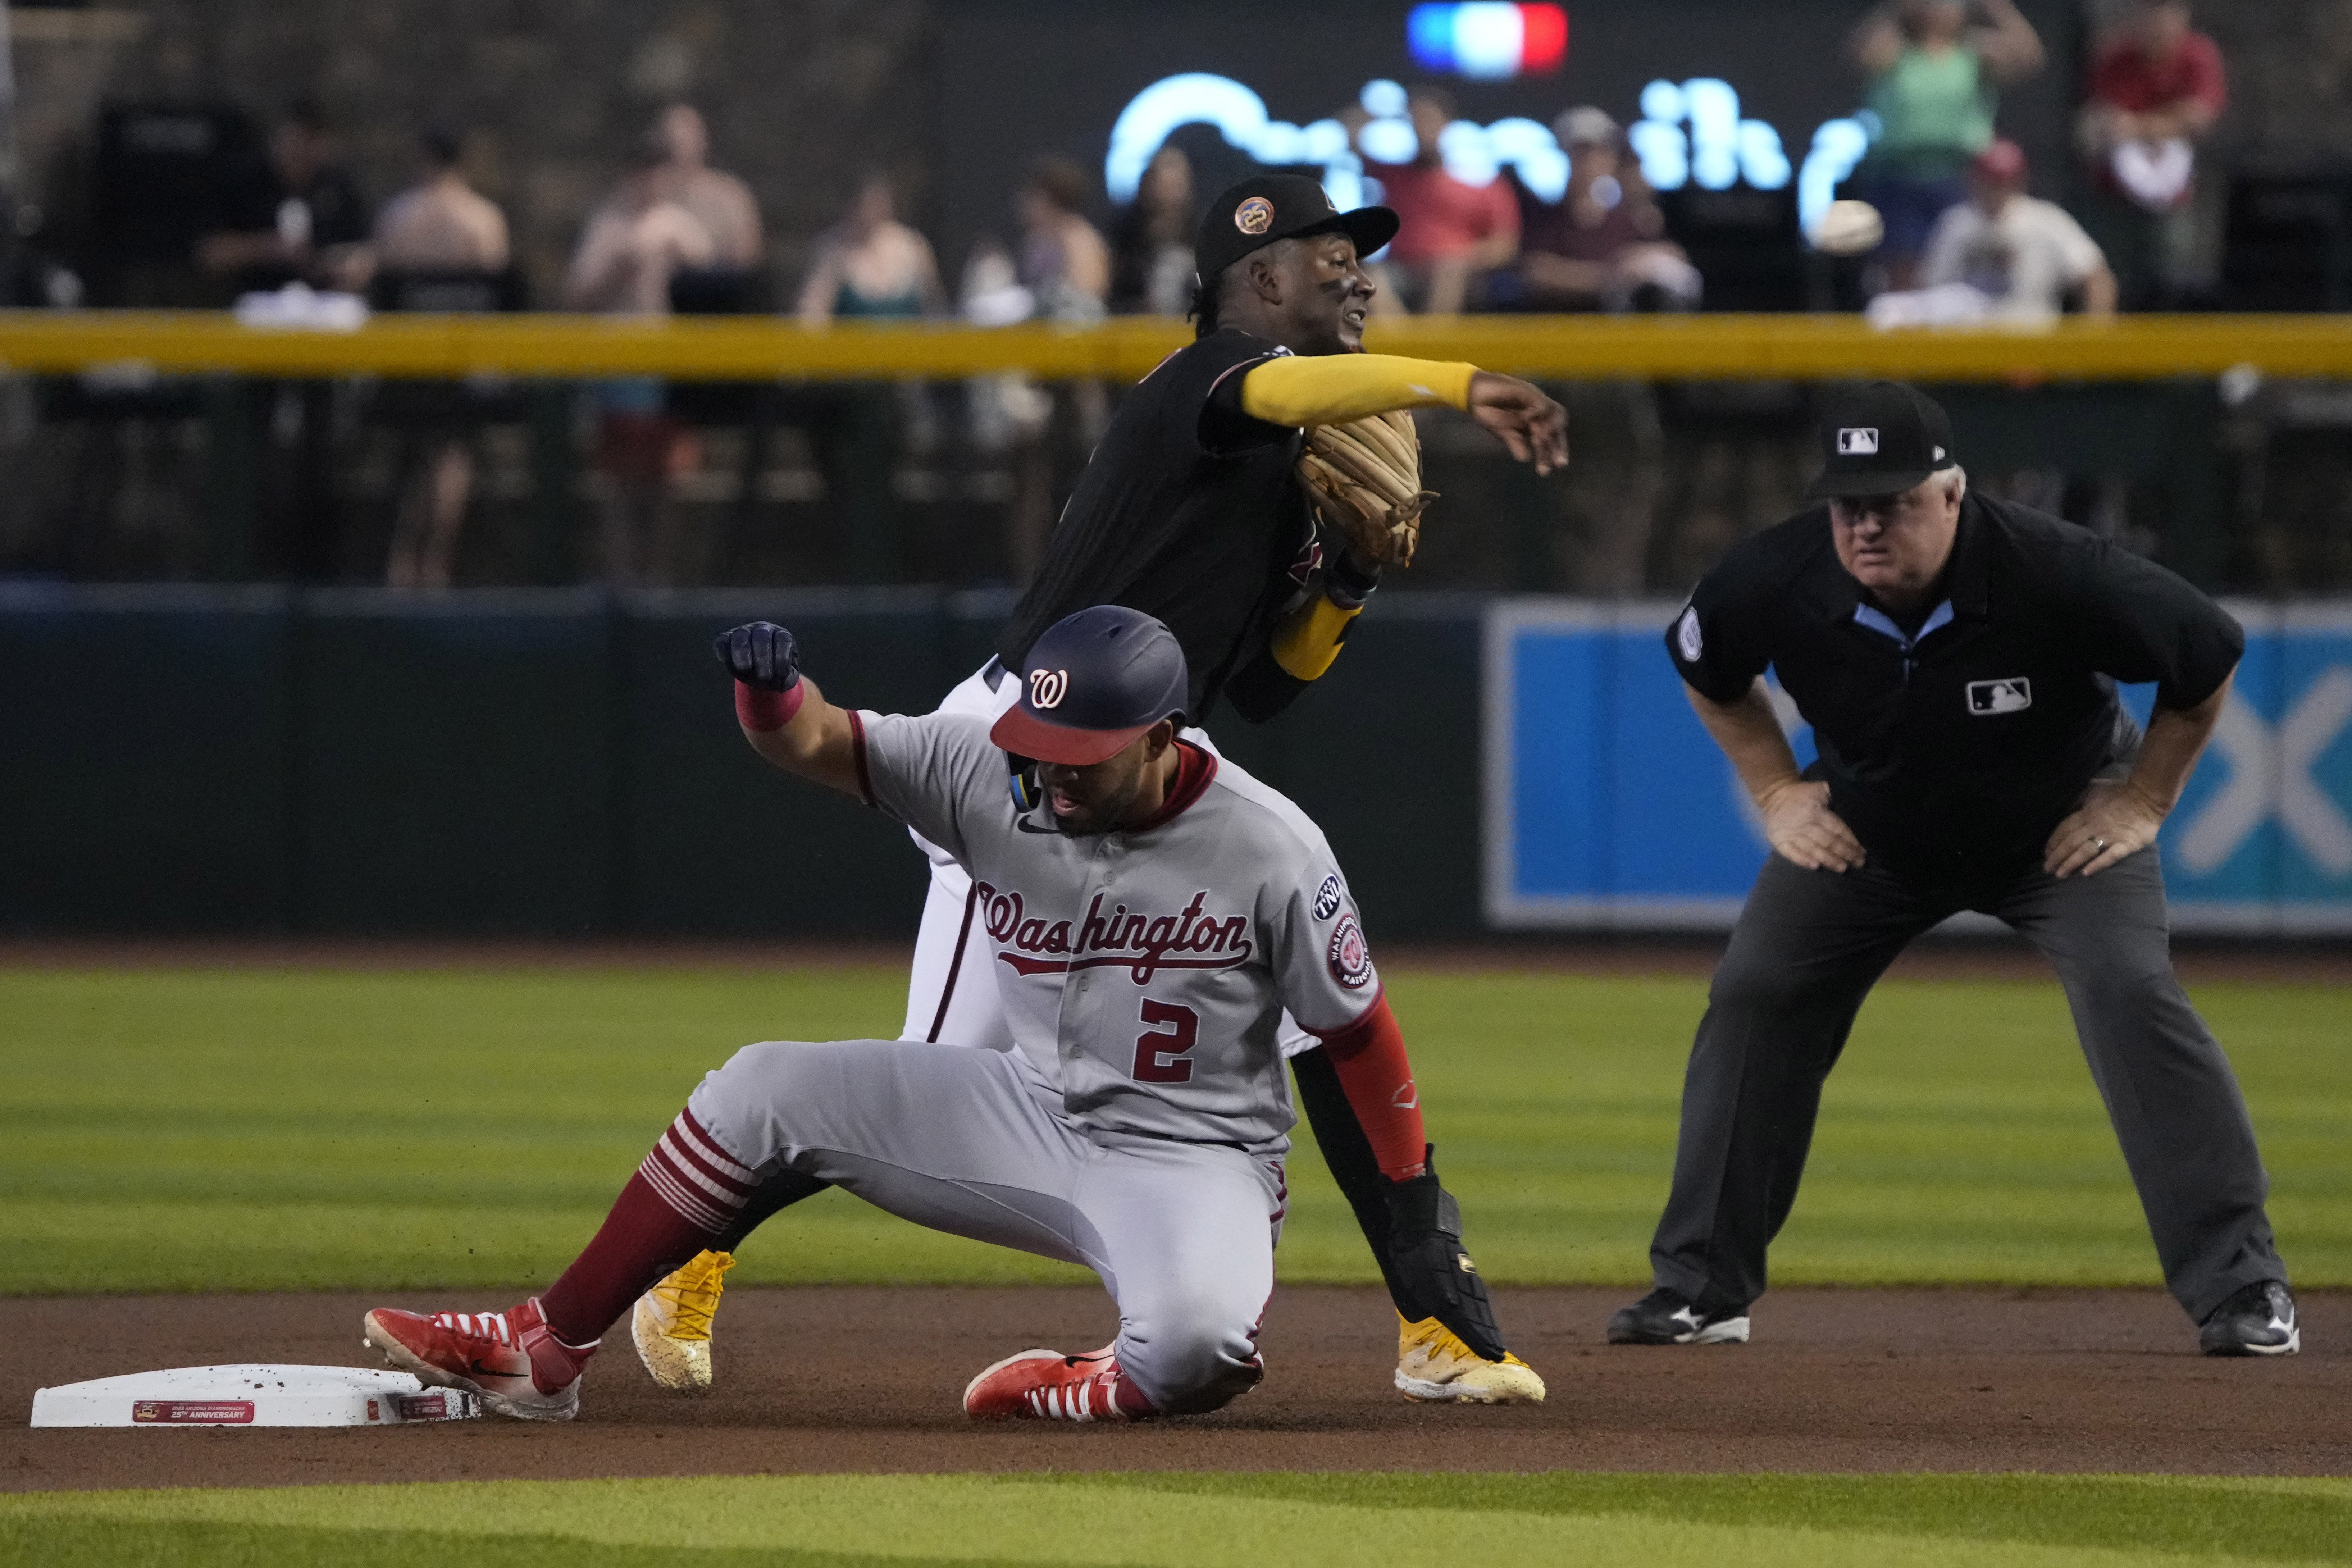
(1562, 347)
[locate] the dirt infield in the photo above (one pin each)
(867, 1379)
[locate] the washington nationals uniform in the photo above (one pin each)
(1150, 916)
(1138, 1124)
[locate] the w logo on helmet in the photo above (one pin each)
(1047, 688)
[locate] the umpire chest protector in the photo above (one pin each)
(1953, 745)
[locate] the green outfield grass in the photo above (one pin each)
(257, 1128)
(1204, 1520)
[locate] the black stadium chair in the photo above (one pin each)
(2287, 243)
(1744, 242)
(155, 189)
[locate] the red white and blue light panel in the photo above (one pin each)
(1491, 42)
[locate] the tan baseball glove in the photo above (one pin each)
(1364, 478)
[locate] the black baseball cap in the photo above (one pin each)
(1257, 212)
(1091, 684)
(1880, 439)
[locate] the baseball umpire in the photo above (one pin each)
(1200, 508)
(1155, 915)
(1957, 658)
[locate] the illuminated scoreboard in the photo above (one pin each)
(1714, 95)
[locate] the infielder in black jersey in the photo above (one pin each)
(1192, 510)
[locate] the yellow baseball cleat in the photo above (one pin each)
(1433, 1363)
(671, 1324)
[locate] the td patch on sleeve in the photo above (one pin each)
(1327, 897)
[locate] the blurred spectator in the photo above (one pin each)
(2022, 254)
(441, 224)
(991, 294)
(871, 265)
(634, 241)
(1066, 266)
(1932, 80)
(1452, 232)
(1063, 262)
(290, 215)
(635, 244)
(1151, 243)
(438, 234)
(1604, 246)
(721, 203)
(2156, 89)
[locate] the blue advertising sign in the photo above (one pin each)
(1607, 807)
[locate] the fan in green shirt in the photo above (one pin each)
(1933, 72)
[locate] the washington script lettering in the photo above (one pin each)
(1143, 944)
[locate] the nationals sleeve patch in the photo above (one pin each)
(1351, 959)
(1327, 897)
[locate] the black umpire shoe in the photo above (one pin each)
(1664, 1316)
(2258, 1319)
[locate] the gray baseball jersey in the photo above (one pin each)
(1144, 973)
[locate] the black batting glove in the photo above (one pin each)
(762, 656)
(1425, 1252)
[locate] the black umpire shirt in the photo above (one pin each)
(1953, 746)
(1189, 512)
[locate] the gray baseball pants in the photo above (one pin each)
(1807, 949)
(975, 1144)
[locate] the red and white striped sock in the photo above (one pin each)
(685, 1194)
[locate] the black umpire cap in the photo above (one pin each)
(1091, 684)
(1264, 209)
(1880, 439)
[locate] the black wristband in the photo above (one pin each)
(1346, 584)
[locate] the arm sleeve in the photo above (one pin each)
(927, 771)
(1715, 643)
(2140, 622)
(1304, 645)
(1332, 389)
(1369, 1060)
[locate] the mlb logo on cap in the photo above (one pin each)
(1880, 440)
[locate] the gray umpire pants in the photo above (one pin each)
(976, 1143)
(1807, 949)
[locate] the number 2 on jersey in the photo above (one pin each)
(1156, 1046)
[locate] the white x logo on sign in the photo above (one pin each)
(2269, 774)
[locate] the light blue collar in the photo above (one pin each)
(1875, 619)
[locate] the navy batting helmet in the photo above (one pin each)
(1091, 684)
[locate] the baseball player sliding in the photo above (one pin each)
(1152, 914)
(1199, 508)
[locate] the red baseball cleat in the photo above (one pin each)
(512, 1358)
(1051, 1387)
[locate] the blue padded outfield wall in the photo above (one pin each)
(1606, 805)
